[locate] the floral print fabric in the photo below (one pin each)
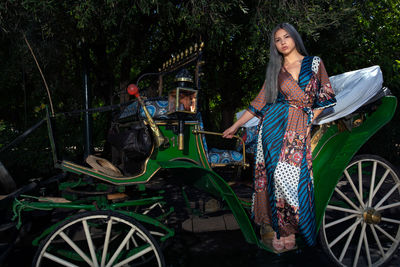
(283, 181)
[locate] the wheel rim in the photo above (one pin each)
(99, 240)
(361, 225)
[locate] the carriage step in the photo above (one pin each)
(197, 224)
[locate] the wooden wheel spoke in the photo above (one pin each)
(90, 243)
(354, 225)
(367, 248)
(340, 220)
(134, 257)
(390, 220)
(154, 233)
(386, 233)
(141, 237)
(387, 196)
(389, 206)
(360, 176)
(121, 246)
(378, 242)
(337, 190)
(372, 183)
(331, 207)
(354, 188)
(344, 250)
(359, 245)
(135, 242)
(58, 260)
(106, 243)
(380, 182)
(75, 248)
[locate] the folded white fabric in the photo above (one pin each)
(352, 89)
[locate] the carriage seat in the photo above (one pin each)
(218, 157)
(221, 157)
(158, 108)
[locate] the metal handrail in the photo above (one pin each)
(245, 165)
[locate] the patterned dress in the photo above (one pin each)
(283, 182)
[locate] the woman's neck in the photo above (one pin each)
(292, 58)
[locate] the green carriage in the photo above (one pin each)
(111, 212)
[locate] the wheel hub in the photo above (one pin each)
(371, 216)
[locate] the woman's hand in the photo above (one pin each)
(230, 132)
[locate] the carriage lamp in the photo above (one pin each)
(183, 98)
(182, 101)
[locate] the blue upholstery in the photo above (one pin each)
(157, 108)
(219, 156)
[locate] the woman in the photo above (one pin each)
(294, 93)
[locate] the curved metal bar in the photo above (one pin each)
(158, 136)
(244, 164)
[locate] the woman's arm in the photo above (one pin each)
(316, 113)
(230, 132)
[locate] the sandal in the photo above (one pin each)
(290, 242)
(278, 244)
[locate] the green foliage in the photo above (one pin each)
(370, 35)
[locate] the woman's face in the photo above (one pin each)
(284, 42)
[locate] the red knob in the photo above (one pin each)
(133, 90)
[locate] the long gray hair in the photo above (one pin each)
(276, 60)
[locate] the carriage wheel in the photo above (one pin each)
(361, 225)
(99, 238)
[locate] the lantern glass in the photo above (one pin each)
(182, 100)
